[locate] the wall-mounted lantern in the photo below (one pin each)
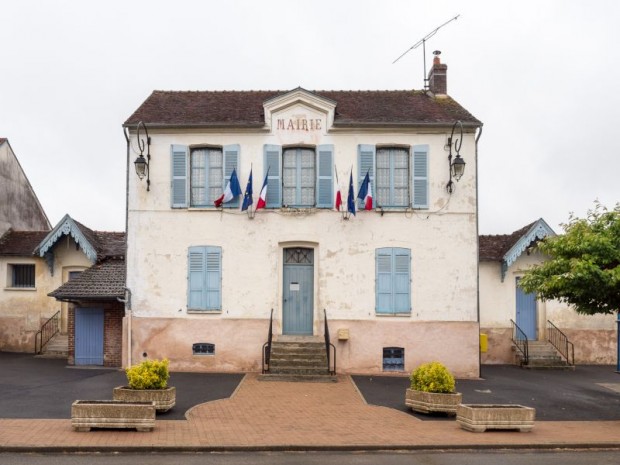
(456, 167)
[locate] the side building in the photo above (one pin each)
(504, 258)
(397, 283)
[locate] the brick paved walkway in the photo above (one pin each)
(279, 415)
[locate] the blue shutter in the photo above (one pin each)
(420, 176)
(204, 278)
(273, 163)
(213, 284)
(383, 280)
(325, 183)
(393, 280)
(231, 161)
(402, 280)
(196, 293)
(365, 163)
(178, 172)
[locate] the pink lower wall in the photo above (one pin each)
(592, 346)
(238, 343)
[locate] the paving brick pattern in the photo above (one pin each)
(283, 415)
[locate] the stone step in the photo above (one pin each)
(298, 362)
(298, 378)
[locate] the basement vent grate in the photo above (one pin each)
(203, 348)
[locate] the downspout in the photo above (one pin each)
(127, 291)
(478, 253)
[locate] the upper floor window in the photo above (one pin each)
(199, 175)
(300, 177)
(21, 276)
(399, 174)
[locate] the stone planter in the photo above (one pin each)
(87, 414)
(481, 417)
(164, 398)
(430, 402)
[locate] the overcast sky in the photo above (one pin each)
(543, 77)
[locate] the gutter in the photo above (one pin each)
(478, 251)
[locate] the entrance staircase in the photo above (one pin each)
(542, 355)
(557, 352)
(57, 347)
(298, 359)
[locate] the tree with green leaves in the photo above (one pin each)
(584, 263)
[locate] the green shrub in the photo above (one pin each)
(150, 374)
(432, 377)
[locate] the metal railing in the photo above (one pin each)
(328, 347)
(267, 345)
(560, 341)
(48, 330)
(519, 339)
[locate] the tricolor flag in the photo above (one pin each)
(365, 193)
(233, 189)
(262, 198)
(247, 197)
(351, 196)
(338, 194)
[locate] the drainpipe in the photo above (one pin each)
(618, 344)
(478, 254)
(127, 291)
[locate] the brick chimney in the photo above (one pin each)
(438, 76)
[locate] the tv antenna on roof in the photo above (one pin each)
(422, 42)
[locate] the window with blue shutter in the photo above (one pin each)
(199, 176)
(393, 280)
(365, 164)
(299, 177)
(420, 176)
(178, 184)
(204, 278)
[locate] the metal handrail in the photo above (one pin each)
(329, 345)
(48, 331)
(267, 345)
(519, 338)
(560, 341)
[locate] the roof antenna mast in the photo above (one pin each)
(422, 42)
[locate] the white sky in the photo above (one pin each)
(541, 75)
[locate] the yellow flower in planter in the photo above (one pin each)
(150, 374)
(432, 377)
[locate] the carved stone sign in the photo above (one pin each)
(299, 124)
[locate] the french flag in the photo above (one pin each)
(233, 189)
(365, 193)
(262, 198)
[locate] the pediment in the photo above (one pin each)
(299, 110)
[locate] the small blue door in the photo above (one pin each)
(298, 292)
(526, 312)
(89, 336)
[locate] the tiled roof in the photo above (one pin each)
(102, 281)
(2, 140)
(23, 243)
(494, 247)
(245, 108)
(20, 243)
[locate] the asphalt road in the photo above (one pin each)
(45, 388)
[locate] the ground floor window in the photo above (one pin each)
(393, 359)
(21, 276)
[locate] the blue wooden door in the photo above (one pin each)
(89, 336)
(526, 312)
(298, 293)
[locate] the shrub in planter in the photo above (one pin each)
(150, 374)
(432, 377)
(148, 381)
(432, 390)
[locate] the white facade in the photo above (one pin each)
(442, 240)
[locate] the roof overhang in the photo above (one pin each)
(539, 230)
